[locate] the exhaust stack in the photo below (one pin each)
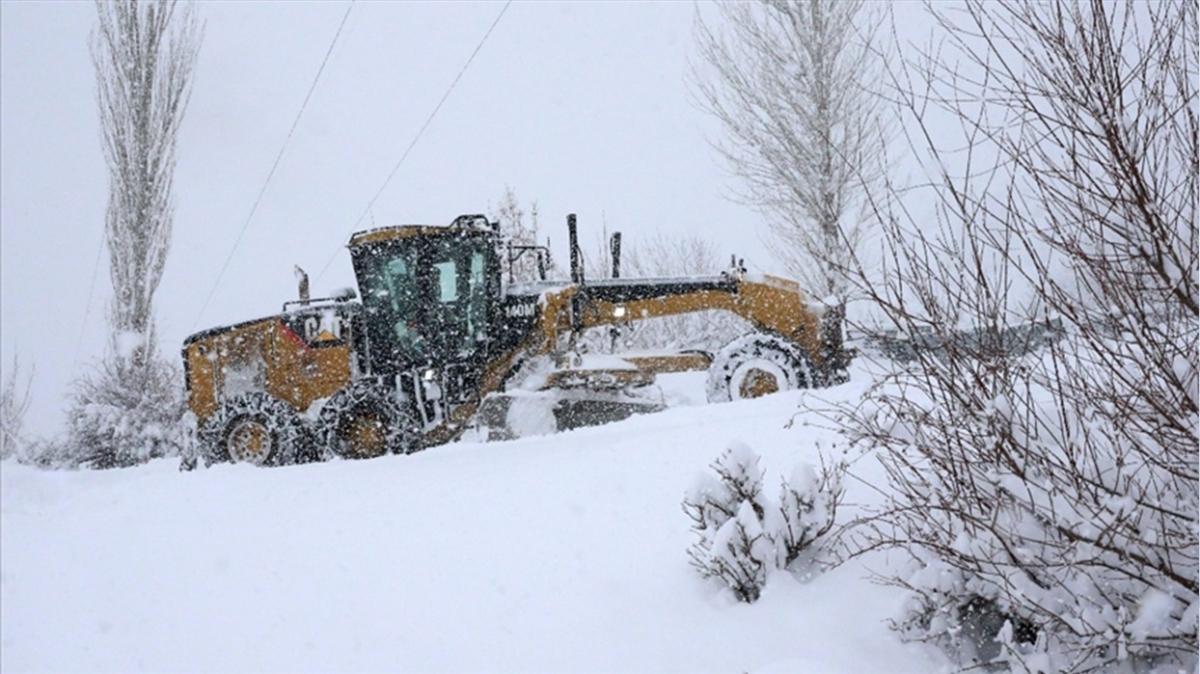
(614, 247)
(573, 242)
(302, 282)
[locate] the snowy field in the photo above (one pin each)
(559, 553)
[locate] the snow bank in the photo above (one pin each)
(561, 553)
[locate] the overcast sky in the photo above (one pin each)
(584, 107)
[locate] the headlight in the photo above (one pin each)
(619, 311)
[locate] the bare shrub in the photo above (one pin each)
(14, 403)
(1046, 497)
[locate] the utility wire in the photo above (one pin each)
(420, 131)
(275, 165)
(88, 308)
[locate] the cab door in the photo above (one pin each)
(459, 290)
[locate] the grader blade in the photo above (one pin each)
(517, 414)
(572, 413)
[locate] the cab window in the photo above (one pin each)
(447, 280)
(391, 299)
(477, 306)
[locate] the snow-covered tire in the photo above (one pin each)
(364, 420)
(255, 428)
(756, 365)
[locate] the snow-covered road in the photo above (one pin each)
(560, 553)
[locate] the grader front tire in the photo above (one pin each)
(757, 365)
(254, 428)
(363, 421)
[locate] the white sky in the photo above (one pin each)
(582, 106)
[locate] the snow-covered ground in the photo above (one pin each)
(556, 553)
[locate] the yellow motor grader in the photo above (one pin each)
(427, 351)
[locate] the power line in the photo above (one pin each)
(270, 174)
(420, 131)
(88, 308)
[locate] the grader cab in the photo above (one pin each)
(428, 349)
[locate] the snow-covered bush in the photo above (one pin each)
(807, 506)
(727, 512)
(1039, 501)
(121, 414)
(1047, 497)
(741, 534)
(54, 454)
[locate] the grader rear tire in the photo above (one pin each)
(757, 365)
(255, 428)
(364, 420)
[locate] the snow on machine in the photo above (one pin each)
(432, 347)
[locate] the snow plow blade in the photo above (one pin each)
(508, 416)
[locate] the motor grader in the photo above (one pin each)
(438, 334)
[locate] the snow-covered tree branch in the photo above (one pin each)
(1048, 497)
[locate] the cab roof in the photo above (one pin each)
(463, 224)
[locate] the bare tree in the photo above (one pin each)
(1047, 497)
(14, 403)
(143, 54)
(128, 408)
(659, 256)
(794, 83)
(518, 231)
(666, 256)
